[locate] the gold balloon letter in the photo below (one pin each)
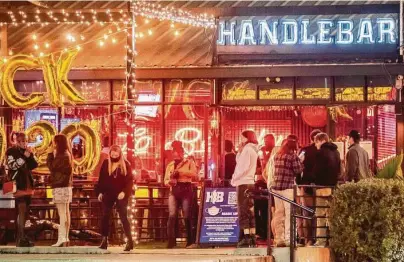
(66, 87)
(3, 143)
(47, 131)
(7, 88)
(50, 77)
(92, 146)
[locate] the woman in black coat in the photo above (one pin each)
(115, 186)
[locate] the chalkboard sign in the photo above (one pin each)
(219, 224)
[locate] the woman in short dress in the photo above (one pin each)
(60, 164)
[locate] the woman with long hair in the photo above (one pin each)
(114, 186)
(243, 179)
(60, 164)
(287, 167)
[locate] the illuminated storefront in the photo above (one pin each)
(271, 72)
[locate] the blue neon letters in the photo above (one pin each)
(306, 32)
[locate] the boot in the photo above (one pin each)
(171, 232)
(253, 241)
(104, 243)
(245, 242)
(24, 242)
(190, 240)
(129, 245)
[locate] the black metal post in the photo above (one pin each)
(269, 234)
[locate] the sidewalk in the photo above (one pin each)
(115, 254)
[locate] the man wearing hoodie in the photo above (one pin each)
(326, 172)
(243, 179)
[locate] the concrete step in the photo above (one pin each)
(205, 255)
(303, 254)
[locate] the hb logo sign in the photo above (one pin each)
(214, 197)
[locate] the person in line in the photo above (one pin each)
(309, 154)
(20, 163)
(287, 167)
(179, 176)
(115, 186)
(60, 164)
(261, 205)
(229, 162)
(357, 159)
(243, 179)
(326, 171)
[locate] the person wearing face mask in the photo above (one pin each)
(20, 163)
(114, 186)
(179, 176)
(243, 179)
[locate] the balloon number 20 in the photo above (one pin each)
(45, 130)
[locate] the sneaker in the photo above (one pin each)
(280, 244)
(320, 244)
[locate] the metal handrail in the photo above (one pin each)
(266, 194)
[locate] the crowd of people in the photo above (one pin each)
(278, 169)
(316, 168)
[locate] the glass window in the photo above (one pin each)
(93, 91)
(27, 87)
(239, 90)
(312, 88)
(197, 90)
(381, 88)
(119, 90)
(349, 88)
(186, 124)
(279, 88)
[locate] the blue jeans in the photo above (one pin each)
(181, 195)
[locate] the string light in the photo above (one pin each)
(151, 10)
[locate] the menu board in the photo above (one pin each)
(239, 90)
(219, 217)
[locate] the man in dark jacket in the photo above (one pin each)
(357, 159)
(229, 162)
(326, 172)
(307, 178)
(20, 162)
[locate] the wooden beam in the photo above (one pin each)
(76, 74)
(300, 10)
(289, 70)
(221, 72)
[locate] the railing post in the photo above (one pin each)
(269, 231)
(292, 228)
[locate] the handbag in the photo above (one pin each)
(10, 187)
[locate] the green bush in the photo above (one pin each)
(367, 221)
(392, 168)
